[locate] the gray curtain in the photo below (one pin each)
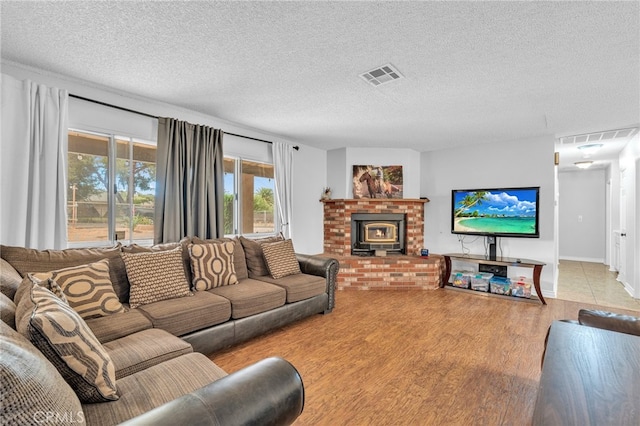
(189, 181)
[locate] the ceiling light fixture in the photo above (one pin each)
(591, 148)
(583, 164)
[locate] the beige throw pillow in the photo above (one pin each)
(212, 265)
(87, 288)
(65, 339)
(281, 259)
(155, 276)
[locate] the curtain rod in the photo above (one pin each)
(156, 117)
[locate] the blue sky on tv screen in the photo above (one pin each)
(512, 202)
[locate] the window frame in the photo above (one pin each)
(238, 199)
(111, 187)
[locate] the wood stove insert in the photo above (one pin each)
(377, 231)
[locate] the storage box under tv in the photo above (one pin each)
(461, 279)
(500, 285)
(521, 287)
(480, 281)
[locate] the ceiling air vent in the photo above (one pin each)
(381, 75)
(605, 136)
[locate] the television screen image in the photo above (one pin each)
(508, 212)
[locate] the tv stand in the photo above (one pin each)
(491, 241)
(502, 261)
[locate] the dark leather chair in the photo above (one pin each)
(602, 319)
(610, 321)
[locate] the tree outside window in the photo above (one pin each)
(95, 215)
(249, 202)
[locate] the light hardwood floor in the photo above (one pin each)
(435, 357)
(593, 283)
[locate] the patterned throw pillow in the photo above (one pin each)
(281, 259)
(212, 265)
(65, 339)
(253, 251)
(156, 276)
(87, 288)
(50, 285)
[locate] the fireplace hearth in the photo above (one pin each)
(377, 231)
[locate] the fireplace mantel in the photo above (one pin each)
(375, 200)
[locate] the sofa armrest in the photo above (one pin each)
(610, 321)
(269, 392)
(321, 266)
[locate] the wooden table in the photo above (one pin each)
(590, 377)
(502, 261)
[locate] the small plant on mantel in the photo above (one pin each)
(326, 194)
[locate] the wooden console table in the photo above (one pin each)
(589, 377)
(502, 261)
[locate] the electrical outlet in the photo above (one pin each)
(579, 218)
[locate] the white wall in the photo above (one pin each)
(582, 219)
(336, 173)
(309, 171)
(507, 164)
(341, 162)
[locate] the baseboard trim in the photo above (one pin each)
(583, 259)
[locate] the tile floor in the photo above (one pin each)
(593, 283)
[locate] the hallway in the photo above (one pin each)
(593, 283)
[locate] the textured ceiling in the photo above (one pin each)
(473, 72)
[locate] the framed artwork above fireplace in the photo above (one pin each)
(377, 181)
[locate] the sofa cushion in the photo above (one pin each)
(26, 260)
(155, 276)
(299, 286)
(250, 297)
(144, 349)
(256, 265)
(7, 311)
(187, 314)
(66, 340)
(9, 279)
(280, 259)
(31, 385)
(239, 260)
(87, 288)
(154, 386)
(116, 326)
(212, 265)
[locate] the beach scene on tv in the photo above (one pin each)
(510, 211)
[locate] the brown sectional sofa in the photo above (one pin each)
(162, 374)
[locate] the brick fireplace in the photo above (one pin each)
(393, 271)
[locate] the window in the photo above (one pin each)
(111, 188)
(249, 200)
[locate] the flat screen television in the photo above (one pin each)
(499, 212)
